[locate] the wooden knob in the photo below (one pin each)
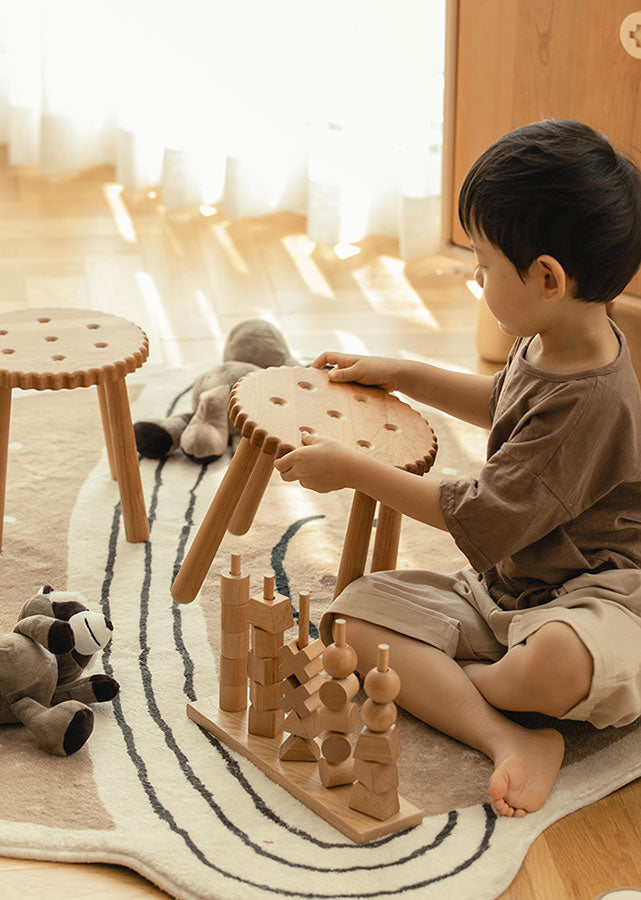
(378, 716)
(382, 684)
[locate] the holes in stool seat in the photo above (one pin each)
(44, 319)
(306, 386)
(361, 398)
(51, 337)
(306, 429)
(278, 401)
(58, 357)
(334, 414)
(93, 325)
(364, 445)
(8, 350)
(389, 426)
(4, 331)
(101, 344)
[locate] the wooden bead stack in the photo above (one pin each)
(269, 617)
(378, 747)
(338, 713)
(300, 665)
(234, 638)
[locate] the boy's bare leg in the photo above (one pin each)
(437, 690)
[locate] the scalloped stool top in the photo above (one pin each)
(274, 406)
(54, 348)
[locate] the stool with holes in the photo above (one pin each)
(52, 349)
(271, 408)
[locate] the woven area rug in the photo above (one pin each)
(154, 792)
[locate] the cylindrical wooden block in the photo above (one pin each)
(337, 692)
(378, 716)
(336, 747)
(234, 618)
(234, 645)
(344, 719)
(233, 671)
(234, 589)
(232, 698)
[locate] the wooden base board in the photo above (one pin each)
(299, 778)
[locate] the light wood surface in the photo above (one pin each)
(300, 778)
(60, 244)
(513, 67)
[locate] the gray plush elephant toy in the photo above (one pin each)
(205, 432)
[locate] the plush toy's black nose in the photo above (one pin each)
(109, 624)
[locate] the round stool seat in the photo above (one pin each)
(55, 348)
(274, 406)
(63, 347)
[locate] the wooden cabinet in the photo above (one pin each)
(518, 61)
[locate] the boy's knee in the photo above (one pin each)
(559, 662)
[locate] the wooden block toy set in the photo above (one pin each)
(289, 708)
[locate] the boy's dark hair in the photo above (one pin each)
(558, 187)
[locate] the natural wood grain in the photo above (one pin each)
(299, 778)
(513, 67)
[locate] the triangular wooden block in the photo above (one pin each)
(298, 749)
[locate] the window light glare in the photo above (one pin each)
(343, 250)
(474, 288)
(206, 210)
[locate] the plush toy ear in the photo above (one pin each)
(92, 631)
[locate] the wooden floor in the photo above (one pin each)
(187, 278)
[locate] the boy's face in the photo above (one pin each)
(512, 302)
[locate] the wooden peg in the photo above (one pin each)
(303, 619)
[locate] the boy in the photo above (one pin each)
(547, 617)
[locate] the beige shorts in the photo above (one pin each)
(456, 614)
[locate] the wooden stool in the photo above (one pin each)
(52, 349)
(271, 409)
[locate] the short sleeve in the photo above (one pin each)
(506, 509)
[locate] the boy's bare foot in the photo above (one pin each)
(525, 771)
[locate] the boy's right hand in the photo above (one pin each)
(372, 370)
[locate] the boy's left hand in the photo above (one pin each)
(321, 464)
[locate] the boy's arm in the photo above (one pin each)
(463, 395)
(326, 465)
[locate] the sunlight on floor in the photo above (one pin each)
(300, 249)
(113, 196)
(231, 251)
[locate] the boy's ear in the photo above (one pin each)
(553, 278)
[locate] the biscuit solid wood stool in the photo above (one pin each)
(54, 349)
(271, 409)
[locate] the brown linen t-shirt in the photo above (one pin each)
(560, 492)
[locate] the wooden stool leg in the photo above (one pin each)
(359, 529)
(5, 418)
(106, 427)
(388, 533)
(126, 462)
(212, 529)
(256, 486)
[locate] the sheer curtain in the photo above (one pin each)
(332, 110)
